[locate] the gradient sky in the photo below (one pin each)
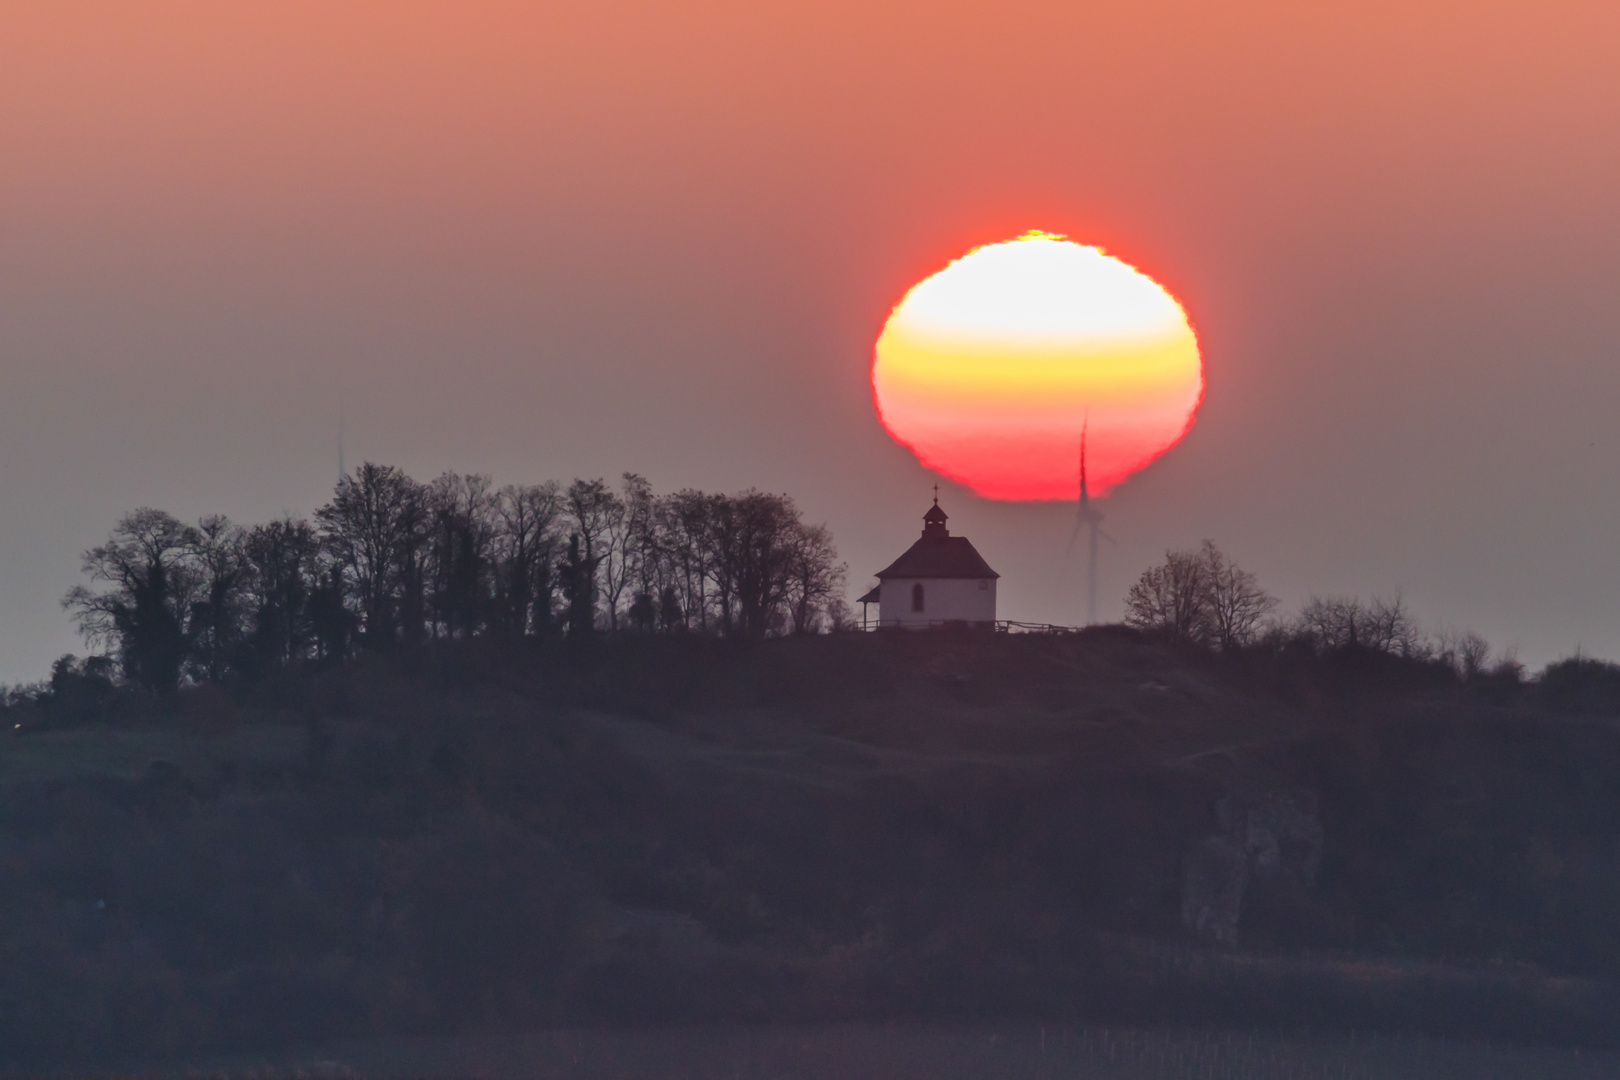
(664, 237)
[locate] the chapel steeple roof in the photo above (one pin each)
(938, 554)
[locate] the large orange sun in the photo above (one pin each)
(989, 369)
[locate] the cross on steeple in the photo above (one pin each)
(934, 520)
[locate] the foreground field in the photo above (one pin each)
(950, 829)
(1013, 1052)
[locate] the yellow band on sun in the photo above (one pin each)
(989, 369)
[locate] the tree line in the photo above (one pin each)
(1203, 597)
(393, 561)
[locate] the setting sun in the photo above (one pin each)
(989, 369)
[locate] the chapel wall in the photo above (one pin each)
(971, 600)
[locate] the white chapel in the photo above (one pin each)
(940, 580)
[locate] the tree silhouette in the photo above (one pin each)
(331, 622)
(815, 578)
(1201, 596)
(216, 623)
(1236, 605)
(1341, 622)
(592, 510)
(577, 576)
(151, 581)
(526, 538)
(1171, 598)
(462, 517)
(390, 560)
(283, 571)
(372, 529)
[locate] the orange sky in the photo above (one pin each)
(587, 238)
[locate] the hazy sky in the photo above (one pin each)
(663, 237)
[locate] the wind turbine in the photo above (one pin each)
(1090, 519)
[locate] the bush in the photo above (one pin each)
(1580, 685)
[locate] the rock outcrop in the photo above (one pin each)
(1259, 833)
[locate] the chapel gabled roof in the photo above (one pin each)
(939, 557)
(938, 554)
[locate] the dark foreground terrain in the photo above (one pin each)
(1007, 1051)
(1083, 833)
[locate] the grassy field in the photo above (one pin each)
(902, 1052)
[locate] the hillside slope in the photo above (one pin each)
(931, 826)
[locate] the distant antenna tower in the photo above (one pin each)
(1090, 519)
(342, 469)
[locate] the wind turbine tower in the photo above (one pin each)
(1089, 519)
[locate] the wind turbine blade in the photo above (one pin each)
(1106, 537)
(1083, 516)
(1078, 525)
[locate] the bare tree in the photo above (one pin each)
(373, 529)
(461, 514)
(686, 540)
(1340, 622)
(576, 575)
(151, 580)
(1330, 622)
(332, 621)
(754, 553)
(1465, 652)
(591, 508)
(283, 569)
(1236, 604)
(1172, 598)
(627, 525)
(388, 559)
(1395, 631)
(1200, 596)
(216, 627)
(815, 585)
(526, 543)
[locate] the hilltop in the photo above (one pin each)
(952, 826)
